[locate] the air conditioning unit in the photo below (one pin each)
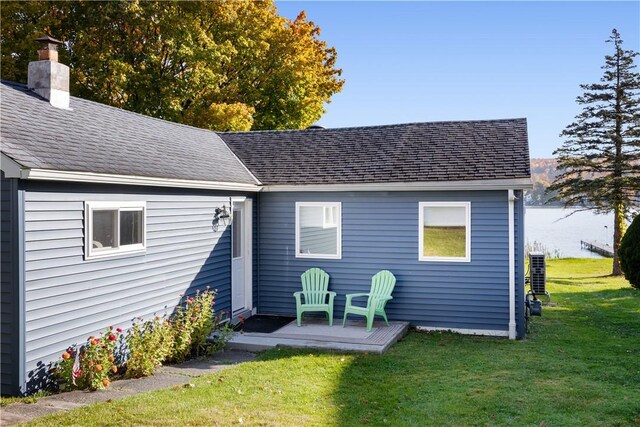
(537, 277)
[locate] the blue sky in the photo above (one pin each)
(425, 61)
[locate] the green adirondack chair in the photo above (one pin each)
(382, 285)
(315, 283)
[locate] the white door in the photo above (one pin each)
(241, 257)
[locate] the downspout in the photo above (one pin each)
(22, 321)
(512, 267)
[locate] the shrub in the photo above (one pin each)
(192, 323)
(185, 334)
(95, 362)
(149, 343)
(629, 253)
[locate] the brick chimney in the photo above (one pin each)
(47, 77)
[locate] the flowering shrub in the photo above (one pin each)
(186, 333)
(192, 323)
(89, 365)
(149, 344)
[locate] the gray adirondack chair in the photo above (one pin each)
(382, 284)
(315, 284)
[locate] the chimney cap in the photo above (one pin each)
(48, 39)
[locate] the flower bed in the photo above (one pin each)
(146, 345)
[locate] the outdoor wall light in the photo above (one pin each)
(221, 217)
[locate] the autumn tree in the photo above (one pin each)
(224, 65)
(599, 162)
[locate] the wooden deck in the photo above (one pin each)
(316, 333)
(600, 248)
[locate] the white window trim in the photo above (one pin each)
(90, 206)
(421, 206)
(337, 255)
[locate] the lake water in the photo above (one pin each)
(561, 234)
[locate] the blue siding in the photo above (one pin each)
(10, 318)
(69, 298)
(380, 231)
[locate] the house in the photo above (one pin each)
(109, 215)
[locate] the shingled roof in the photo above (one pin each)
(414, 152)
(92, 137)
(96, 138)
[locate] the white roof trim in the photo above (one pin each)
(10, 167)
(486, 184)
(13, 169)
(106, 178)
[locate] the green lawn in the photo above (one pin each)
(444, 241)
(580, 366)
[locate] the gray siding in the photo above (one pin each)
(69, 298)
(380, 231)
(9, 288)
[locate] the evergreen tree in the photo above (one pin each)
(599, 162)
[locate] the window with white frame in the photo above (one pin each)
(114, 228)
(444, 231)
(319, 230)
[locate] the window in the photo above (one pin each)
(330, 217)
(113, 228)
(445, 231)
(318, 230)
(236, 233)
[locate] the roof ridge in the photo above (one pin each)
(390, 125)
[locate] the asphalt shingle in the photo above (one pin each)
(413, 152)
(93, 137)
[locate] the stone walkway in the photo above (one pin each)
(165, 377)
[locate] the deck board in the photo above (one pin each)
(316, 333)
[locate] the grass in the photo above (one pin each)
(444, 241)
(4, 401)
(580, 365)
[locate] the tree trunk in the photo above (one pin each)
(619, 226)
(619, 211)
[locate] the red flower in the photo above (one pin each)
(112, 337)
(94, 342)
(118, 330)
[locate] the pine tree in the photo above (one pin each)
(599, 162)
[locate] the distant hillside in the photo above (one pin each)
(543, 172)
